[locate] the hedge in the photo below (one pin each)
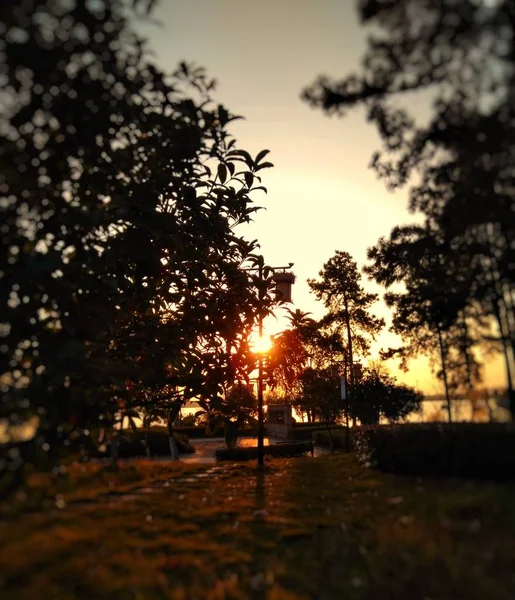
(275, 451)
(308, 433)
(473, 450)
(132, 444)
(201, 432)
(339, 436)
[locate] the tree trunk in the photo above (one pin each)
(504, 341)
(174, 452)
(444, 374)
(350, 392)
(466, 349)
(502, 313)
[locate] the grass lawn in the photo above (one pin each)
(304, 528)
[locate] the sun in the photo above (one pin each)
(261, 344)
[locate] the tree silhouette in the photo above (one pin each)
(299, 319)
(122, 191)
(458, 164)
(377, 395)
(348, 305)
(431, 311)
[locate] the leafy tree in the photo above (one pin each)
(239, 405)
(122, 189)
(321, 392)
(430, 312)
(299, 319)
(305, 344)
(379, 395)
(348, 306)
(190, 420)
(459, 52)
(461, 56)
(287, 359)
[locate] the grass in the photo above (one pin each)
(303, 528)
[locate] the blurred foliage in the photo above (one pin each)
(378, 395)
(458, 57)
(121, 284)
(475, 450)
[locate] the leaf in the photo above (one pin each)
(249, 179)
(265, 165)
(242, 155)
(261, 155)
(222, 173)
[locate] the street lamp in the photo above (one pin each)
(283, 280)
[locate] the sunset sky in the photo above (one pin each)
(322, 196)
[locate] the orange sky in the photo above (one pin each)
(322, 195)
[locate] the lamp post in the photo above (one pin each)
(283, 280)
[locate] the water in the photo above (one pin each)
(481, 411)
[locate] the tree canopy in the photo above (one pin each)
(124, 276)
(458, 161)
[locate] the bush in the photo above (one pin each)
(133, 444)
(202, 432)
(308, 433)
(322, 438)
(474, 450)
(275, 451)
(192, 432)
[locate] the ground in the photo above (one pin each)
(302, 528)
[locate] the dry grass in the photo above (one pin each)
(303, 528)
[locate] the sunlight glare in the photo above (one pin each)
(261, 344)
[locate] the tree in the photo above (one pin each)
(379, 395)
(340, 289)
(289, 355)
(239, 405)
(306, 344)
(299, 319)
(461, 55)
(123, 190)
(458, 51)
(321, 392)
(430, 312)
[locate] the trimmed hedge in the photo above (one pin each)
(201, 432)
(473, 450)
(308, 433)
(322, 438)
(275, 451)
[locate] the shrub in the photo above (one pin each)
(275, 451)
(322, 438)
(192, 432)
(203, 432)
(307, 433)
(475, 450)
(133, 444)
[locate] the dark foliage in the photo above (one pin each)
(459, 56)
(377, 395)
(473, 450)
(121, 284)
(274, 451)
(147, 443)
